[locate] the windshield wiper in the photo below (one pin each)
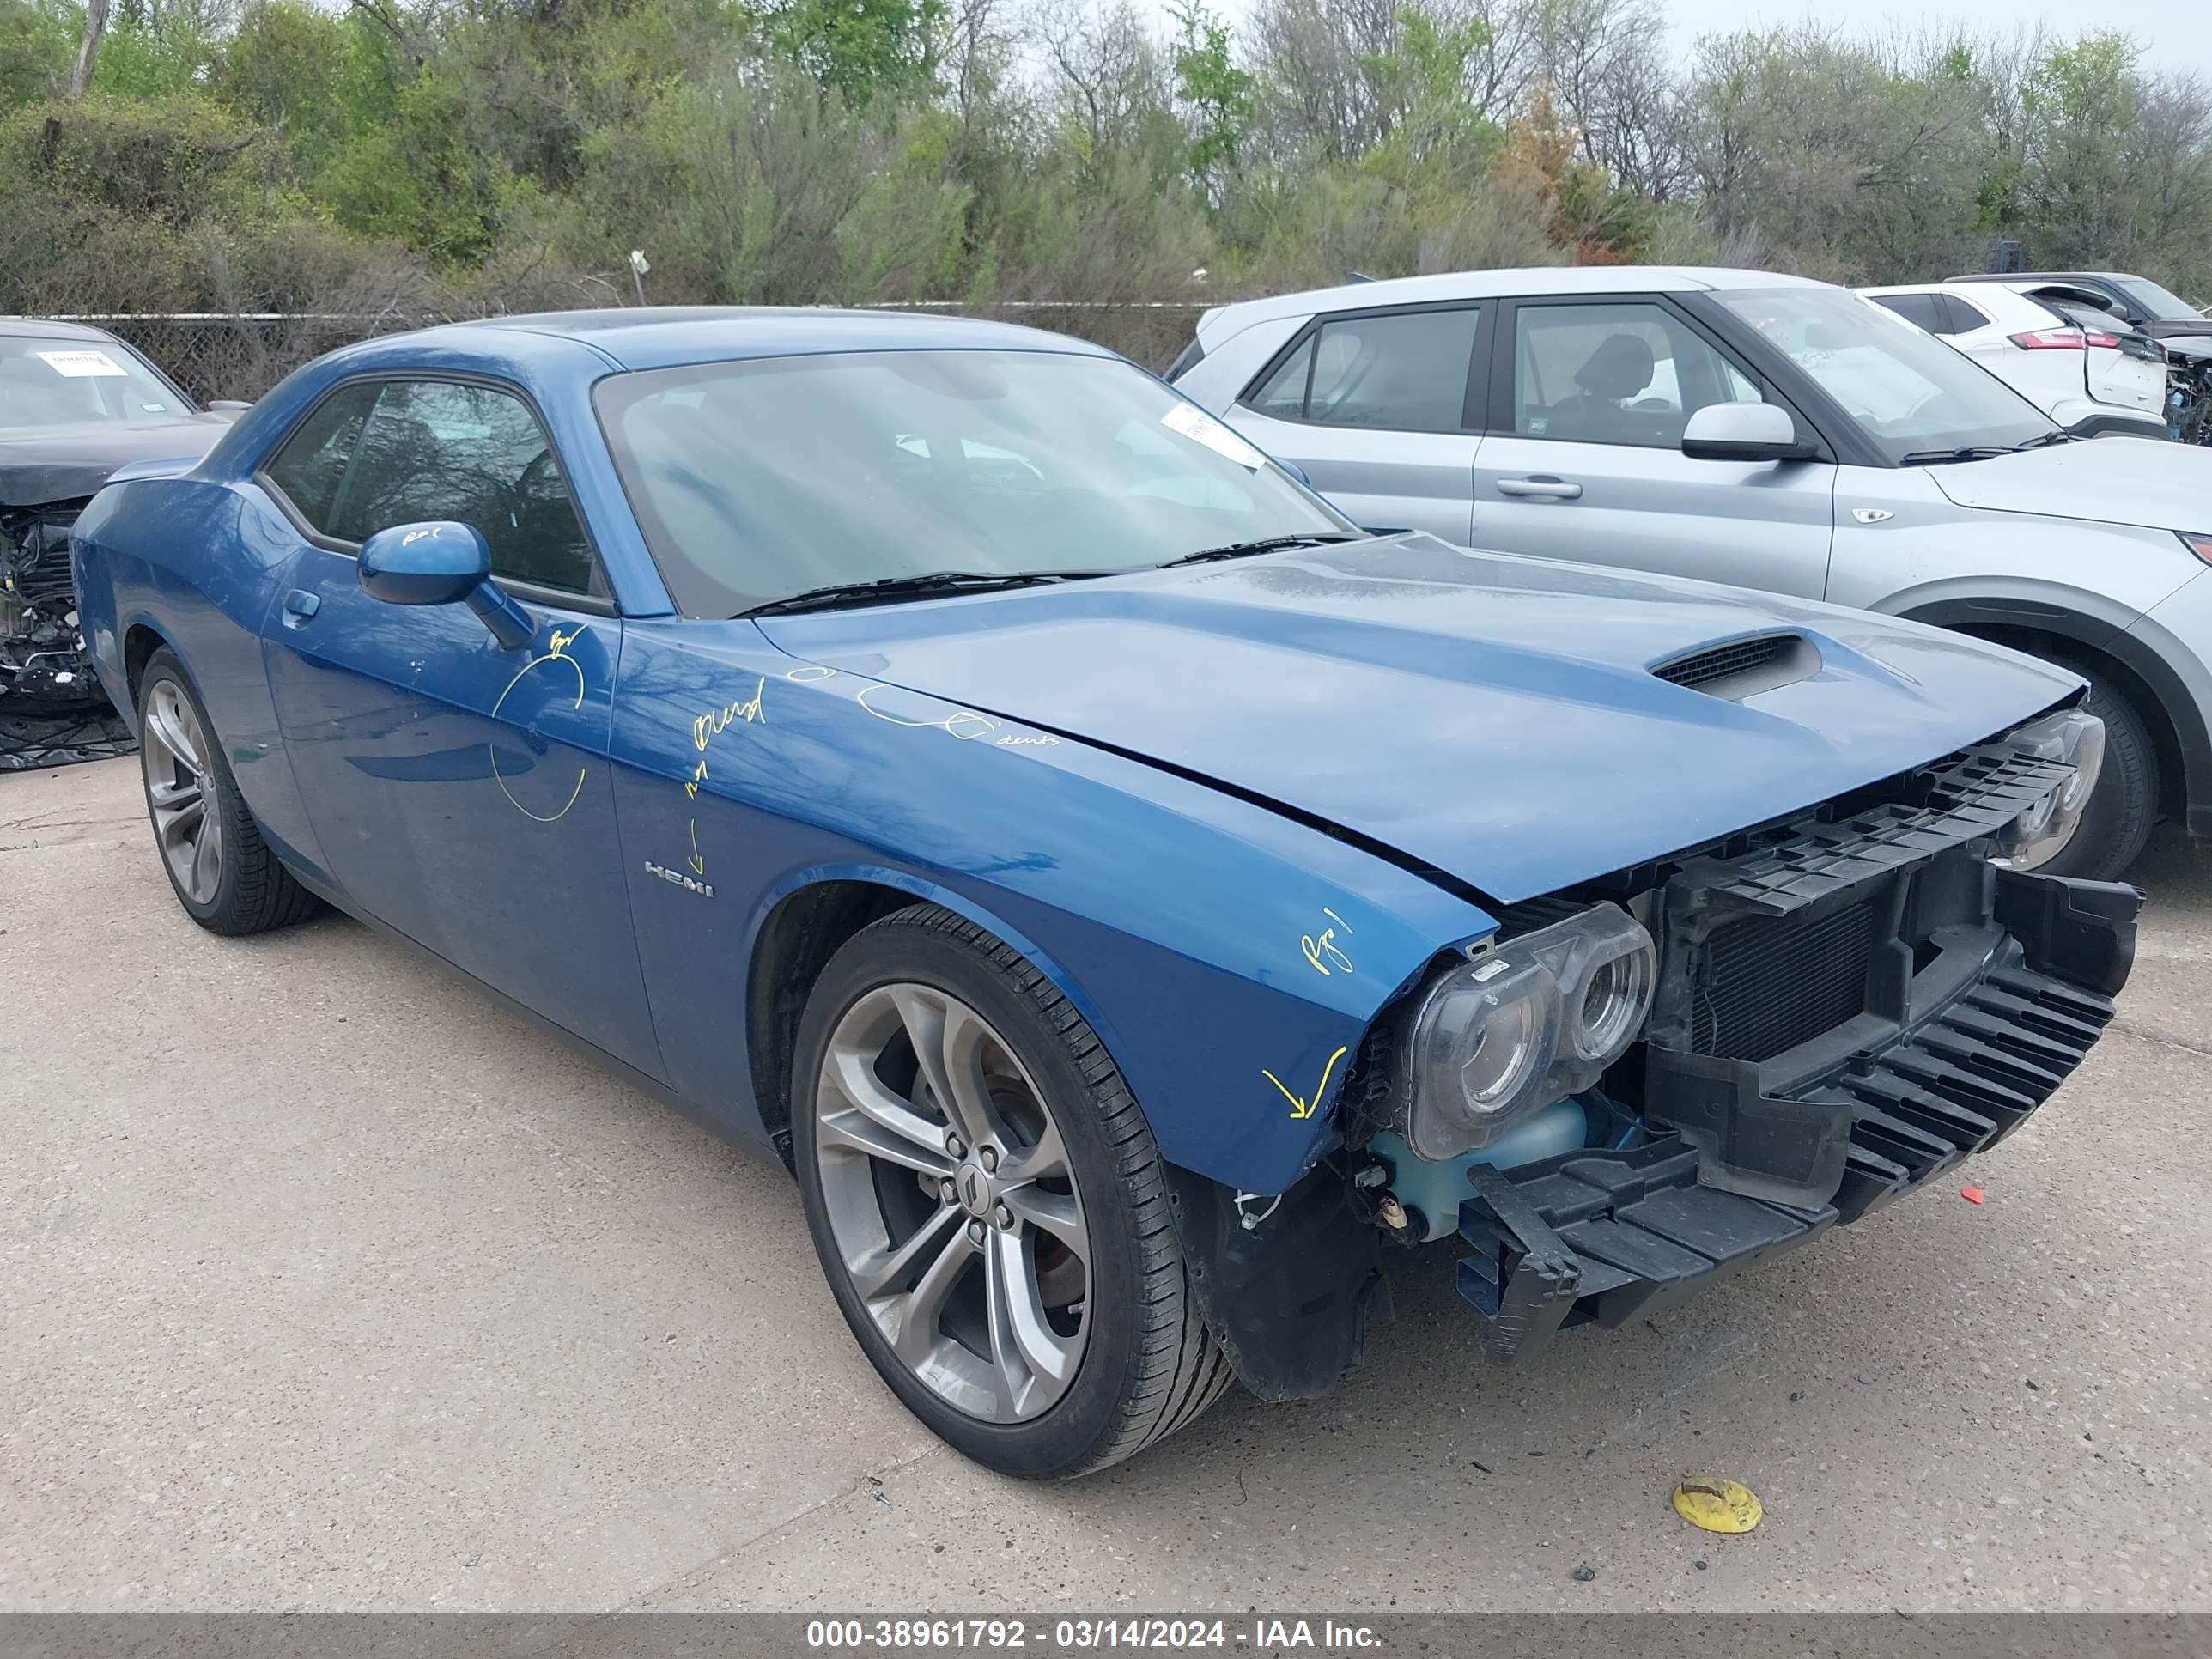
(1963, 453)
(927, 584)
(1982, 451)
(1265, 544)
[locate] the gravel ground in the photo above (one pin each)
(325, 1283)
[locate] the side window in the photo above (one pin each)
(311, 464)
(1921, 310)
(1965, 318)
(441, 449)
(1624, 373)
(1283, 394)
(1405, 372)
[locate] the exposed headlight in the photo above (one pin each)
(1535, 1020)
(2034, 837)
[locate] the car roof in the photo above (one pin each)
(2000, 293)
(1501, 284)
(2011, 277)
(655, 336)
(41, 328)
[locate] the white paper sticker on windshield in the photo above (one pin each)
(79, 365)
(1197, 425)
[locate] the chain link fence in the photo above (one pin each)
(240, 355)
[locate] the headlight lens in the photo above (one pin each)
(1537, 1019)
(1501, 1028)
(2034, 837)
(1614, 1001)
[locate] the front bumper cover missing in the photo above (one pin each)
(1602, 1234)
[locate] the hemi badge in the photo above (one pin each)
(678, 879)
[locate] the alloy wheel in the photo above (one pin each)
(179, 790)
(952, 1203)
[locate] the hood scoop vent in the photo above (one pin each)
(1743, 668)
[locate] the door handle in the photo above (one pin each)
(299, 607)
(1557, 490)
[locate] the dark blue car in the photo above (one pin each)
(1129, 894)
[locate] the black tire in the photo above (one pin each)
(1150, 1366)
(254, 891)
(2117, 826)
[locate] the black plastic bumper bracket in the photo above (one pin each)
(1598, 1234)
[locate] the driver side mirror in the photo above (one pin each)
(442, 563)
(1744, 432)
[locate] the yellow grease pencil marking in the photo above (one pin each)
(560, 643)
(711, 723)
(1314, 948)
(1302, 1108)
(704, 730)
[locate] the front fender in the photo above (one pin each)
(1229, 959)
(2079, 614)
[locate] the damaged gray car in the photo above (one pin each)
(76, 403)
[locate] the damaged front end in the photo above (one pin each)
(43, 663)
(1645, 1082)
(1844, 1007)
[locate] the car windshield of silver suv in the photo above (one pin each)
(1914, 396)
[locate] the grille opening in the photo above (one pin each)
(1764, 986)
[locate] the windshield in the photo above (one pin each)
(758, 480)
(2156, 301)
(1908, 390)
(67, 382)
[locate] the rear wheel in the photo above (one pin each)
(988, 1205)
(2117, 824)
(221, 869)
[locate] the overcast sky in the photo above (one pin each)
(2178, 33)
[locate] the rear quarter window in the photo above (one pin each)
(309, 466)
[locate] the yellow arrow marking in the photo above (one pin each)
(1303, 1109)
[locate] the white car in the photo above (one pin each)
(2093, 381)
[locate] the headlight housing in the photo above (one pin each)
(2076, 738)
(1535, 1020)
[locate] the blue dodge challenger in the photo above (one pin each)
(1129, 896)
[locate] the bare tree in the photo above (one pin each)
(87, 51)
(1322, 66)
(1107, 70)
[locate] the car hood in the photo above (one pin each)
(2131, 481)
(1488, 716)
(67, 463)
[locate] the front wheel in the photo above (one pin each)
(989, 1206)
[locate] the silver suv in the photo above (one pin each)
(1764, 431)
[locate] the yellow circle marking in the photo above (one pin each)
(558, 654)
(964, 724)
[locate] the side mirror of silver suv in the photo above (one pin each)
(1744, 432)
